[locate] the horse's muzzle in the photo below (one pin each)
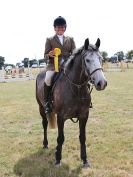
(101, 85)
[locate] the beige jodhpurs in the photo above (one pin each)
(48, 77)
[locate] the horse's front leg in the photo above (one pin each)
(45, 125)
(82, 138)
(60, 140)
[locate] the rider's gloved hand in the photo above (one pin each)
(51, 54)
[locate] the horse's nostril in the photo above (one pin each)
(99, 84)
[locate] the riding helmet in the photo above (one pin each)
(59, 21)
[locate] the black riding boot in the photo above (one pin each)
(47, 107)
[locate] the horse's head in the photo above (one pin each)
(93, 64)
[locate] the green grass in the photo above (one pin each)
(109, 133)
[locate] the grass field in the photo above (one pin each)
(109, 133)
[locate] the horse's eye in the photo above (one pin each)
(87, 60)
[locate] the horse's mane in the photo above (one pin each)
(76, 52)
(71, 59)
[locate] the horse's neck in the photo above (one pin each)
(76, 73)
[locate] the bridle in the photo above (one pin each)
(85, 83)
(88, 80)
(76, 85)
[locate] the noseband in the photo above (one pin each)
(95, 71)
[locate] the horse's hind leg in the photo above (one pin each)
(60, 140)
(45, 140)
(45, 125)
(82, 138)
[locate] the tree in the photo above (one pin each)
(9, 64)
(130, 54)
(41, 61)
(25, 62)
(104, 55)
(34, 61)
(17, 64)
(120, 55)
(2, 60)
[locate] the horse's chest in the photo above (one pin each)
(70, 102)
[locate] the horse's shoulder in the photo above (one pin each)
(41, 75)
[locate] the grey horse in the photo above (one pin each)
(71, 97)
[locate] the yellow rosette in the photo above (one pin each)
(57, 52)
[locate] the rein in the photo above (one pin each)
(76, 85)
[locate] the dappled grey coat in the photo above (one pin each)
(66, 49)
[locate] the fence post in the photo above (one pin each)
(2, 74)
(122, 66)
(29, 72)
(105, 66)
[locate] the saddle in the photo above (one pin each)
(55, 79)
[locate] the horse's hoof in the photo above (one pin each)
(57, 164)
(86, 164)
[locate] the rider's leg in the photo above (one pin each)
(47, 88)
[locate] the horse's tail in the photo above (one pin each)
(52, 120)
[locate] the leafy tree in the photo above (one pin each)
(120, 55)
(130, 54)
(2, 60)
(8, 64)
(17, 64)
(104, 55)
(41, 61)
(34, 61)
(25, 62)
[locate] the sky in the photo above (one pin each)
(25, 25)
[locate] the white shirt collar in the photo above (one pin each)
(61, 37)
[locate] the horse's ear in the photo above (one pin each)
(86, 44)
(98, 43)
